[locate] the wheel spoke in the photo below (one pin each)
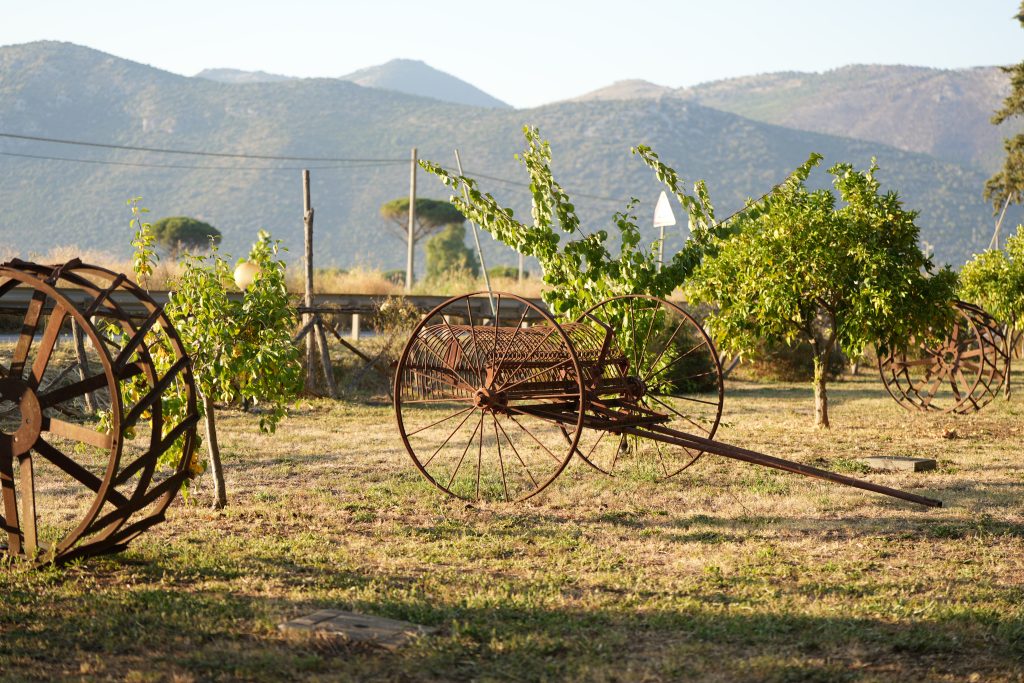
(676, 412)
(76, 432)
(501, 462)
(28, 333)
(461, 459)
(76, 471)
(10, 499)
(445, 442)
(46, 345)
(434, 424)
(673, 361)
(518, 457)
(546, 449)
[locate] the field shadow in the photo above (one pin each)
(216, 633)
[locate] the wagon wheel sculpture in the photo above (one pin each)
(960, 374)
(492, 399)
(89, 456)
(677, 372)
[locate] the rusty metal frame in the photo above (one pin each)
(961, 374)
(565, 378)
(131, 494)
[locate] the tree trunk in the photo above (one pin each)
(1009, 359)
(216, 471)
(820, 395)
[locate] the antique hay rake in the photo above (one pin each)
(83, 430)
(493, 401)
(960, 374)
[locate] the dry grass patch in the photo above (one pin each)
(734, 572)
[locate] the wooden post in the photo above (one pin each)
(325, 356)
(411, 246)
(519, 278)
(307, 218)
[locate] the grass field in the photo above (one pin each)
(733, 572)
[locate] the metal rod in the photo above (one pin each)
(676, 438)
(476, 238)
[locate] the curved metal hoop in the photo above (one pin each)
(89, 458)
(489, 402)
(666, 353)
(959, 375)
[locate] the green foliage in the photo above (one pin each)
(791, 363)
(431, 216)
(145, 256)
(994, 280)
(508, 272)
(447, 251)
(174, 399)
(1007, 185)
(798, 268)
(582, 271)
(179, 233)
(241, 349)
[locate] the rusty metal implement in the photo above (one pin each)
(960, 374)
(79, 451)
(495, 407)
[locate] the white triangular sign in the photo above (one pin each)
(663, 215)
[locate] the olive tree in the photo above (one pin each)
(800, 267)
(181, 233)
(994, 279)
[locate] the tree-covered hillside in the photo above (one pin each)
(60, 90)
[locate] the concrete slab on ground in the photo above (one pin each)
(382, 632)
(890, 463)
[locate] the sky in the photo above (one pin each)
(531, 52)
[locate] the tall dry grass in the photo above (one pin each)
(356, 280)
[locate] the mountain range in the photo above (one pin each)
(355, 135)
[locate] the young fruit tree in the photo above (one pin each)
(241, 348)
(994, 280)
(582, 271)
(801, 267)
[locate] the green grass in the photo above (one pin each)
(733, 572)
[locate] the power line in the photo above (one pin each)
(162, 150)
(185, 166)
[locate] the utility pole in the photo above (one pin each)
(412, 224)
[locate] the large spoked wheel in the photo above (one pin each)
(674, 367)
(489, 401)
(961, 374)
(82, 429)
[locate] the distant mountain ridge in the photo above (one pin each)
(362, 137)
(941, 112)
(240, 76)
(414, 77)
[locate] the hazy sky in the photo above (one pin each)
(529, 52)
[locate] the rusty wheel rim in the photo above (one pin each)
(959, 374)
(83, 486)
(680, 376)
(489, 412)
